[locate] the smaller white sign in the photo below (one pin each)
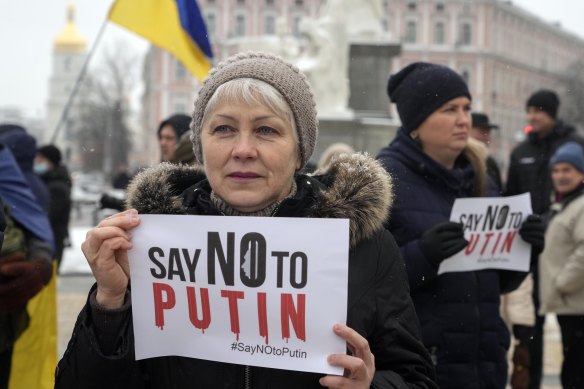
(491, 226)
(246, 290)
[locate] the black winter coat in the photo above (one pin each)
(529, 165)
(59, 185)
(379, 305)
(458, 312)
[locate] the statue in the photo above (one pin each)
(325, 59)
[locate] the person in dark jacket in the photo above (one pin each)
(170, 131)
(433, 162)
(481, 131)
(55, 175)
(529, 172)
(255, 114)
(23, 147)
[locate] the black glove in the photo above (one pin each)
(442, 241)
(21, 281)
(532, 231)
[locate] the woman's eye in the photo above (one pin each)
(223, 129)
(264, 130)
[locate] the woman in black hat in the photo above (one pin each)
(433, 162)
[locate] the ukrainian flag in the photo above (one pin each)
(173, 25)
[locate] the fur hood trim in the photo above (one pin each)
(361, 191)
(355, 187)
(158, 190)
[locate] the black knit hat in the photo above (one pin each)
(546, 101)
(179, 122)
(50, 152)
(421, 88)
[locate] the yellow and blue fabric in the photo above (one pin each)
(176, 26)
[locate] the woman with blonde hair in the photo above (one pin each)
(433, 162)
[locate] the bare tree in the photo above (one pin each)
(103, 133)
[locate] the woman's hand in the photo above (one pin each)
(359, 367)
(106, 250)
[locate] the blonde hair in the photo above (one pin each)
(476, 153)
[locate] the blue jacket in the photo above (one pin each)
(458, 312)
(22, 145)
(24, 207)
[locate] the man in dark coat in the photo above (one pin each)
(481, 131)
(529, 172)
(55, 175)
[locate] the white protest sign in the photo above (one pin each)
(247, 290)
(491, 227)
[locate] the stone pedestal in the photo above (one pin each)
(369, 127)
(369, 68)
(368, 134)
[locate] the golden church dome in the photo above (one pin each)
(70, 40)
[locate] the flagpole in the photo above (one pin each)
(80, 77)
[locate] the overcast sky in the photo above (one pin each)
(28, 28)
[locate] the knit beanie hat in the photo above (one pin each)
(50, 152)
(180, 123)
(421, 88)
(284, 77)
(546, 101)
(571, 153)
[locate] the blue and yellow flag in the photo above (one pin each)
(173, 25)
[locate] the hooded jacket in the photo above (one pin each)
(23, 147)
(379, 305)
(458, 312)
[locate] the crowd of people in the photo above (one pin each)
(244, 152)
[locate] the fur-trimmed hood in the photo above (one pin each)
(354, 186)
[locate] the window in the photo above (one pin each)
(465, 74)
(269, 2)
(385, 24)
(412, 5)
(211, 24)
(67, 64)
(439, 33)
(180, 107)
(465, 34)
(440, 7)
(411, 32)
(180, 73)
(296, 25)
(240, 25)
(270, 24)
(241, 2)
(299, 3)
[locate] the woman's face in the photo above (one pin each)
(444, 134)
(250, 155)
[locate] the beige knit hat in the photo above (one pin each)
(284, 77)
